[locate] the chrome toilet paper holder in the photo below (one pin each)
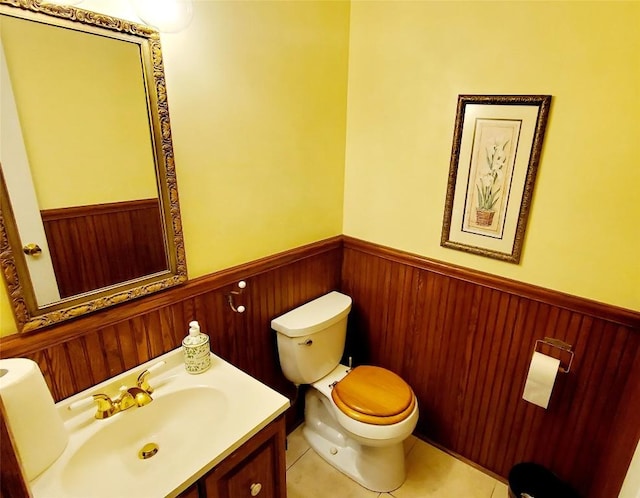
(557, 343)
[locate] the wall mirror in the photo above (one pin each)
(89, 203)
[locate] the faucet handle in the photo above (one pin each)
(106, 408)
(142, 381)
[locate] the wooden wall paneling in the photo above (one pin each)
(500, 426)
(224, 332)
(96, 357)
(40, 357)
(74, 355)
(612, 470)
(443, 354)
(583, 399)
(490, 374)
(393, 319)
(422, 365)
(578, 387)
(12, 482)
(91, 248)
(609, 381)
(153, 325)
(254, 326)
(463, 301)
(59, 252)
(77, 354)
(163, 330)
(261, 295)
(85, 241)
(521, 419)
(498, 360)
(405, 323)
(464, 342)
(142, 336)
(179, 316)
(476, 368)
(61, 370)
(373, 316)
(148, 243)
(452, 359)
(412, 335)
(327, 252)
(390, 331)
(119, 347)
(577, 304)
(233, 325)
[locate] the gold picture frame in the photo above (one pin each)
(497, 143)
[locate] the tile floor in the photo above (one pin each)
(431, 473)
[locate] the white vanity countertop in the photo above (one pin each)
(241, 407)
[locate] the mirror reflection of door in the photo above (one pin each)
(23, 199)
(83, 112)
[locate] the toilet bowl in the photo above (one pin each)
(356, 419)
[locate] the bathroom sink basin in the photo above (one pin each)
(193, 423)
(143, 443)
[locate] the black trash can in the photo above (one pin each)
(538, 482)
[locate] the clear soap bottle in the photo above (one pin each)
(197, 350)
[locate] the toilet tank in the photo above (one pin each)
(311, 337)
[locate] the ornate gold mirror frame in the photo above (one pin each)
(28, 314)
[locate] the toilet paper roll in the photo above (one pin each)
(540, 379)
(38, 432)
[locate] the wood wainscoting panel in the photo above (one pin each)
(83, 352)
(85, 241)
(13, 483)
(464, 340)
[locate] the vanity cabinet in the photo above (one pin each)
(257, 469)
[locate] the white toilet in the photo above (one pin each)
(356, 419)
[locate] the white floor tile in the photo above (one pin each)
(296, 446)
(500, 490)
(312, 477)
(409, 443)
(431, 473)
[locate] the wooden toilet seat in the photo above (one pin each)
(374, 395)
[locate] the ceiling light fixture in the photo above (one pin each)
(167, 16)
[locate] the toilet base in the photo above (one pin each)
(378, 468)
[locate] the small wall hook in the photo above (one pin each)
(239, 309)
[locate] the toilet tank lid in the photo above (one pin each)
(313, 316)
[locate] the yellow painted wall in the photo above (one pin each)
(83, 114)
(408, 63)
(257, 97)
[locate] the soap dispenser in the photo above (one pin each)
(197, 357)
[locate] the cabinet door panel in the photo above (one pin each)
(256, 469)
(255, 477)
(190, 492)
